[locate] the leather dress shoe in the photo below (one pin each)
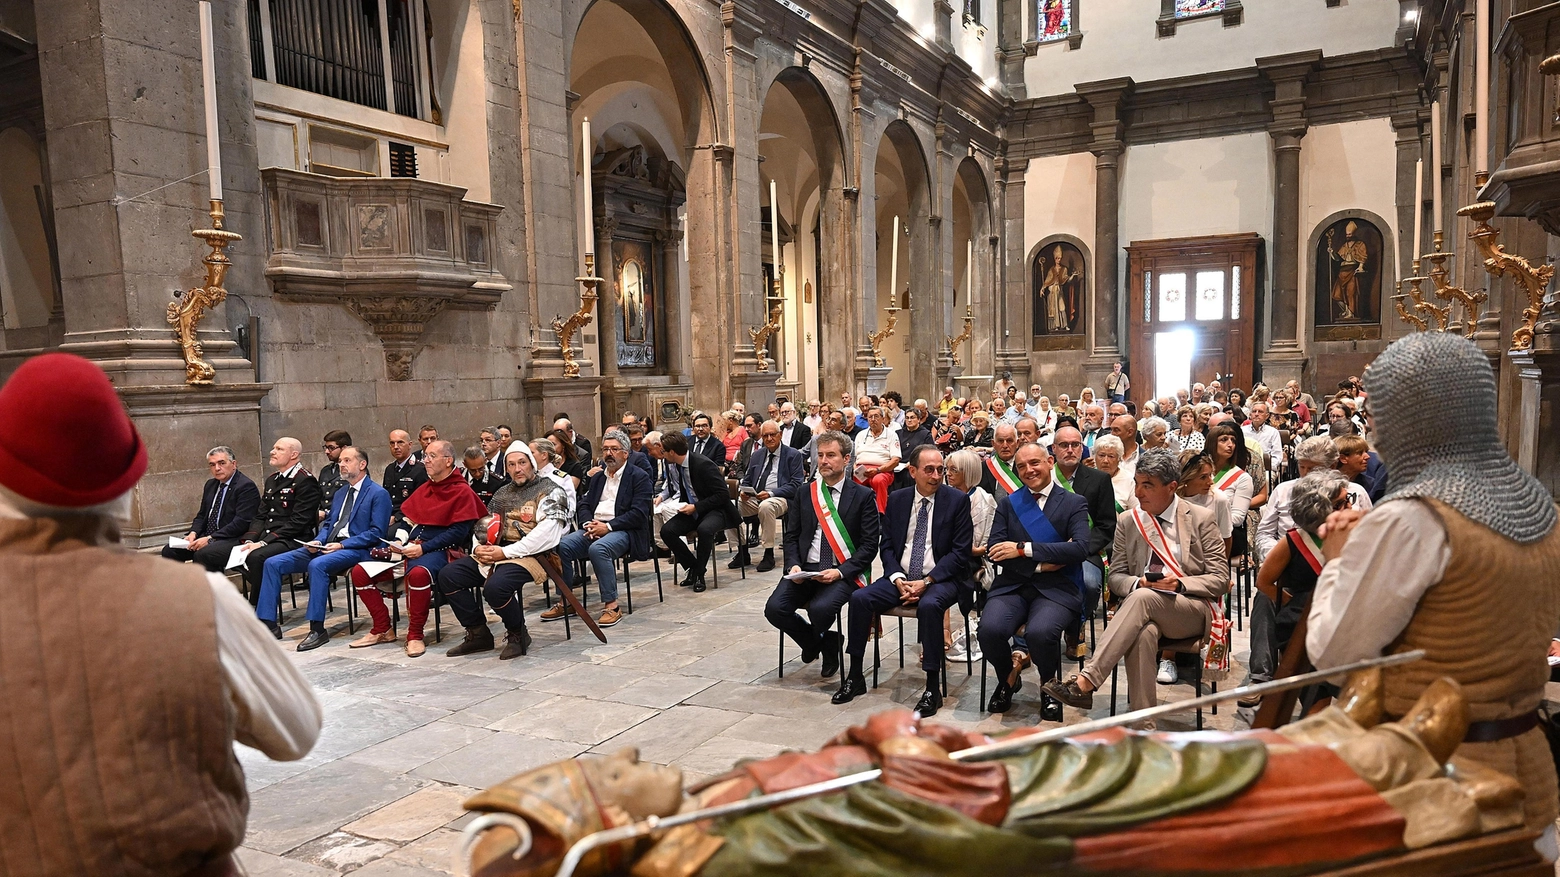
(1069, 693)
(698, 585)
(274, 628)
(1050, 709)
(810, 655)
(831, 654)
(740, 559)
(768, 562)
(688, 580)
(519, 643)
(1001, 699)
(852, 688)
(314, 640)
(929, 704)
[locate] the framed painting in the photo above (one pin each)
(1059, 282)
(1347, 273)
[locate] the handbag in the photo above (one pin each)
(1216, 653)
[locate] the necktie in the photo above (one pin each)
(769, 466)
(216, 517)
(826, 556)
(687, 480)
(346, 515)
(918, 541)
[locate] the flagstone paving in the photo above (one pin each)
(690, 681)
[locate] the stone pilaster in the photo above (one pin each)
(1284, 359)
(1108, 101)
(1016, 330)
(1010, 47)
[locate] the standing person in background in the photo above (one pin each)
(1117, 384)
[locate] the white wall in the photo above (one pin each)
(1120, 39)
(977, 44)
(1221, 185)
(918, 14)
(1059, 199)
(1351, 166)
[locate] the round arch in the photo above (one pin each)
(1387, 265)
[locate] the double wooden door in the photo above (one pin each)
(1190, 312)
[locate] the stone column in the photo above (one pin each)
(613, 392)
(1108, 100)
(1013, 272)
(1283, 359)
(942, 19)
(673, 303)
(1010, 47)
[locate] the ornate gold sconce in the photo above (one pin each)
(1449, 293)
(877, 338)
(955, 340)
(579, 319)
(1413, 320)
(1500, 263)
(1441, 314)
(185, 312)
(763, 333)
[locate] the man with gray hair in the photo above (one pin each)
(227, 505)
(1316, 452)
(1169, 567)
(614, 519)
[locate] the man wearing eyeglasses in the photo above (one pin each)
(330, 474)
(227, 505)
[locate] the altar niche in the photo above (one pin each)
(638, 194)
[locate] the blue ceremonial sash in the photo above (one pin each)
(1041, 529)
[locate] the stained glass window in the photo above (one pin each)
(1172, 297)
(1210, 295)
(1194, 8)
(1054, 19)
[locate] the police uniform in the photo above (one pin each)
(330, 481)
(289, 509)
(487, 485)
(401, 479)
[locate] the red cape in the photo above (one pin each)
(442, 503)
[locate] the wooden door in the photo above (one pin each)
(1189, 312)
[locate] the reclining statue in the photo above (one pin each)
(1337, 787)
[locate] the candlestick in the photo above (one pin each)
(1435, 163)
(774, 230)
(588, 149)
(893, 269)
(208, 71)
(1419, 210)
(1481, 91)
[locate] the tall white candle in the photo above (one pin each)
(587, 150)
(208, 71)
(969, 273)
(1419, 211)
(1435, 163)
(893, 269)
(1481, 86)
(774, 230)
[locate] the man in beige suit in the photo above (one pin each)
(1169, 566)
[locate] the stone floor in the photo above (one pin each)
(690, 681)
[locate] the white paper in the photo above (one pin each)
(1554, 660)
(177, 542)
(239, 555)
(311, 544)
(375, 567)
(802, 576)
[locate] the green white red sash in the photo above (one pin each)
(833, 526)
(1154, 535)
(1226, 480)
(1003, 473)
(1309, 547)
(1056, 475)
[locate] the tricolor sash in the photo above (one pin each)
(1003, 473)
(1041, 530)
(1226, 480)
(1309, 547)
(833, 526)
(1060, 480)
(1154, 535)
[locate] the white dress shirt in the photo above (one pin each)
(1367, 595)
(1272, 443)
(1041, 499)
(606, 509)
(785, 432)
(815, 553)
(927, 560)
(1276, 521)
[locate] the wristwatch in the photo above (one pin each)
(1180, 587)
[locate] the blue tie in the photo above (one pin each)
(918, 542)
(687, 479)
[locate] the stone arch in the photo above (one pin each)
(973, 221)
(901, 186)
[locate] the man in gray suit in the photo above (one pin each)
(1169, 567)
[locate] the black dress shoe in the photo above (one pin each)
(810, 655)
(698, 585)
(852, 688)
(768, 563)
(831, 654)
(314, 640)
(663, 553)
(1001, 699)
(1050, 709)
(929, 704)
(688, 581)
(274, 628)
(740, 560)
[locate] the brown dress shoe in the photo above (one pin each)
(415, 648)
(372, 639)
(609, 617)
(556, 613)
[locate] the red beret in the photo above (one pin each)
(65, 438)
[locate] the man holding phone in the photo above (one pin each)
(774, 475)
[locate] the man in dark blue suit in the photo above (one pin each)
(837, 545)
(927, 533)
(1039, 540)
(772, 481)
(227, 506)
(359, 519)
(614, 515)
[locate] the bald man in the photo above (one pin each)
(289, 509)
(404, 474)
(1125, 427)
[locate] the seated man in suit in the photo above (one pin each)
(831, 530)
(227, 505)
(703, 442)
(404, 473)
(614, 517)
(636, 449)
(289, 509)
(696, 491)
(773, 477)
(359, 518)
(793, 432)
(1039, 538)
(998, 477)
(926, 538)
(1168, 565)
(478, 476)
(1067, 453)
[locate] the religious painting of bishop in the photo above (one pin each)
(1348, 265)
(1058, 280)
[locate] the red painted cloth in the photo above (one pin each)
(442, 503)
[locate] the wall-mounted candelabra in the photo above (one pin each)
(955, 340)
(1448, 293)
(579, 319)
(1499, 263)
(877, 338)
(1441, 314)
(762, 334)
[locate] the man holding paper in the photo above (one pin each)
(227, 505)
(358, 520)
(773, 479)
(289, 510)
(831, 535)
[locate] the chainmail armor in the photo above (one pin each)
(1451, 450)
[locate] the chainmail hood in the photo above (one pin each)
(1450, 450)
